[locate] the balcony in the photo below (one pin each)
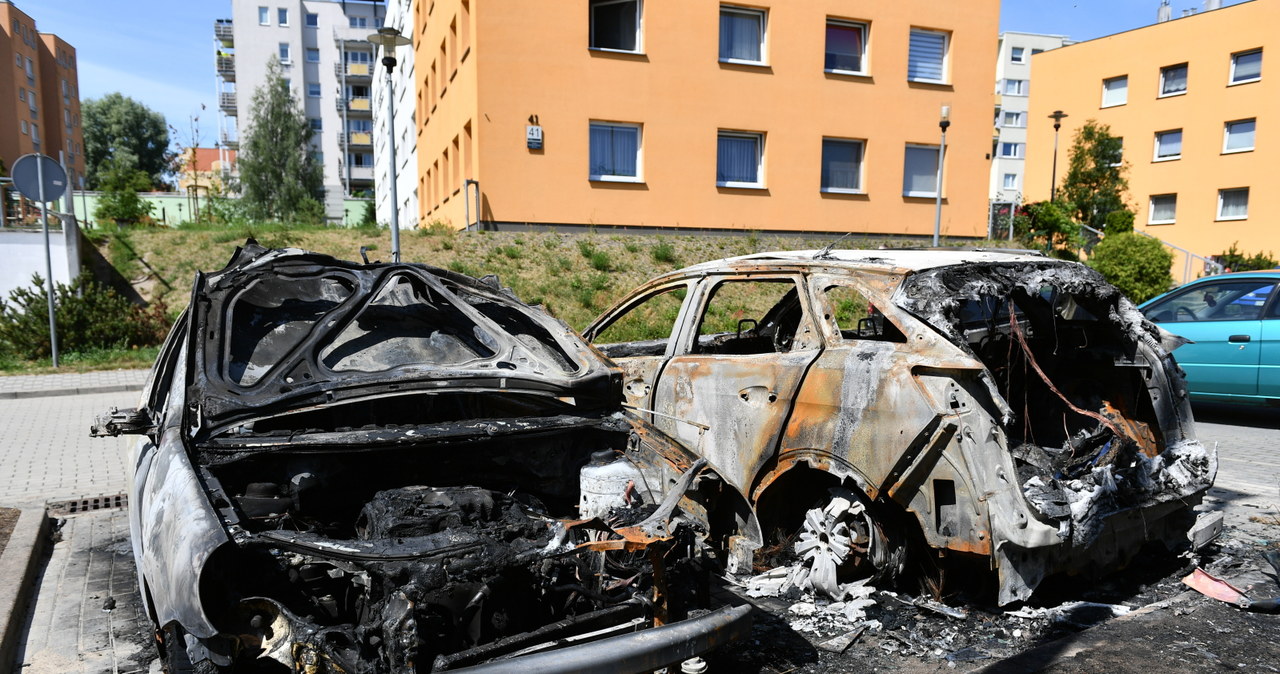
(228, 140)
(227, 67)
(356, 104)
(224, 32)
(227, 102)
(361, 173)
(353, 70)
(356, 138)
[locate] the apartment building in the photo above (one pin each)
(820, 116)
(38, 78)
(1013, 91)
(1198, 110)
(328, 66)
(405, 172)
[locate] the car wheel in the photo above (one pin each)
(843, 540)
(173, 654)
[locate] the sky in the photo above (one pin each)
(160, 52)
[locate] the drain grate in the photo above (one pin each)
(77, 506)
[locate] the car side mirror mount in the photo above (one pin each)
(129, 421)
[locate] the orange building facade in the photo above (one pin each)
(1198, 109)
(815, 116)
(38, 79)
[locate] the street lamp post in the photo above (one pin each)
(1057, 118)
(943, 123)
(389, 38)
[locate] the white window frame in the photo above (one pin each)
(866, 33)
(311, 20)
(312, 51)
(282, 16)
(1121, 162)
(264, 16)
(1222, 192)
(614, 178)
(357, 22)
(315, 123)
(1151, 209)
(946, 56)
(1019, 150)
(759, 138)
(317, 89)
(284, 51)
(764, 34)
(1226, 135)
(1164, 72)
(937, 151)
(1155, 152)
(1017, 54)
(1020, 87)
(1020, 119)
(862, 163)
(591, 27)
(1006, 181)
(1231, 78)
(23, 123)
(1108, 80)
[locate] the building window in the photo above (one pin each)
(358, 57)
(316, 123)
(1119, 158)
(1173, 80)
(927, 56)
(1233, 204)
(842, 166)
(1115, 91)
(615, 25)
(1013, 150)
(313, 90)
(1238, 136)
(1011, 181)
(358, 22)
(615, 152)
(1168, 145)
(1164, 209)
(23, 124)
(264, 16)
(313, 55)
(18, 58)
(1015, 87)
(282, 16)
(359, 125)
(1246, 66)
(846, 47)
(359, 159)
(739, 159)
(1018, 55)
(1017, 120)
(312, 20)
(22, 94)
(920, 171)
(288, 83)
(284, 52)
(742, 35)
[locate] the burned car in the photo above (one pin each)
(396, 468)
(998, 409)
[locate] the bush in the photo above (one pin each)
(1236, 260)
(664, 252)
(1047, 225)
(89, 316)
(1119, 222)
(1137, 265)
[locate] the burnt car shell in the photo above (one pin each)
(393, 467)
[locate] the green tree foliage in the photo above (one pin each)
(88, 316)
(278, 171)
(120, 183)
(1138, 265)
(369, 217)
(1048, 226)
(1095, 184)
(118, 128)
(1235, 260)
(1119, 222)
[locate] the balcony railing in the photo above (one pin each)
(352, 70)
(361, 173)
(227, 68)
(224, 31)
(355, 104)
(227, 102)
(356, 138)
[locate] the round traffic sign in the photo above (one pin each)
(39, 177)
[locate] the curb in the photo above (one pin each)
(114, 388)
(19, 565)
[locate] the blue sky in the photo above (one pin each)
(161, 52)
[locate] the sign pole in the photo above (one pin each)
(48, 263)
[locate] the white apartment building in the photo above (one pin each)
(1013, 87)
(329, 66)
(400, 17)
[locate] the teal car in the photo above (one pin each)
(1233, 322)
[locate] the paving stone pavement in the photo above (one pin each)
(71, 383)
(46, 452)
(68, 630)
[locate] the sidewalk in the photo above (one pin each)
(71, 383)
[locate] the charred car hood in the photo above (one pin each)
(280, 330)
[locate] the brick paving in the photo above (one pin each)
(70, 383)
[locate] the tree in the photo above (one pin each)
(1138, 265)
(1095, 182)
(1237, 260)
(120, 182)
(1047, 225)
(118, 127)
(279, 174)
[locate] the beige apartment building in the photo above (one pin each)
(820, 116)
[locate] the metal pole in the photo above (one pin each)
(937, 214)
(390, 63)
(48, 260)
(1053, 175)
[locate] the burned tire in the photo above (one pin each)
(173, 654)
(846, 539)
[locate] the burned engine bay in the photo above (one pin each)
(428, 548)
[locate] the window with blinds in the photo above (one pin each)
(927, 56)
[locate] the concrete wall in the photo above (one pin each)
(23, 253)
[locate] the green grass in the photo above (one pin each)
(87, 361)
